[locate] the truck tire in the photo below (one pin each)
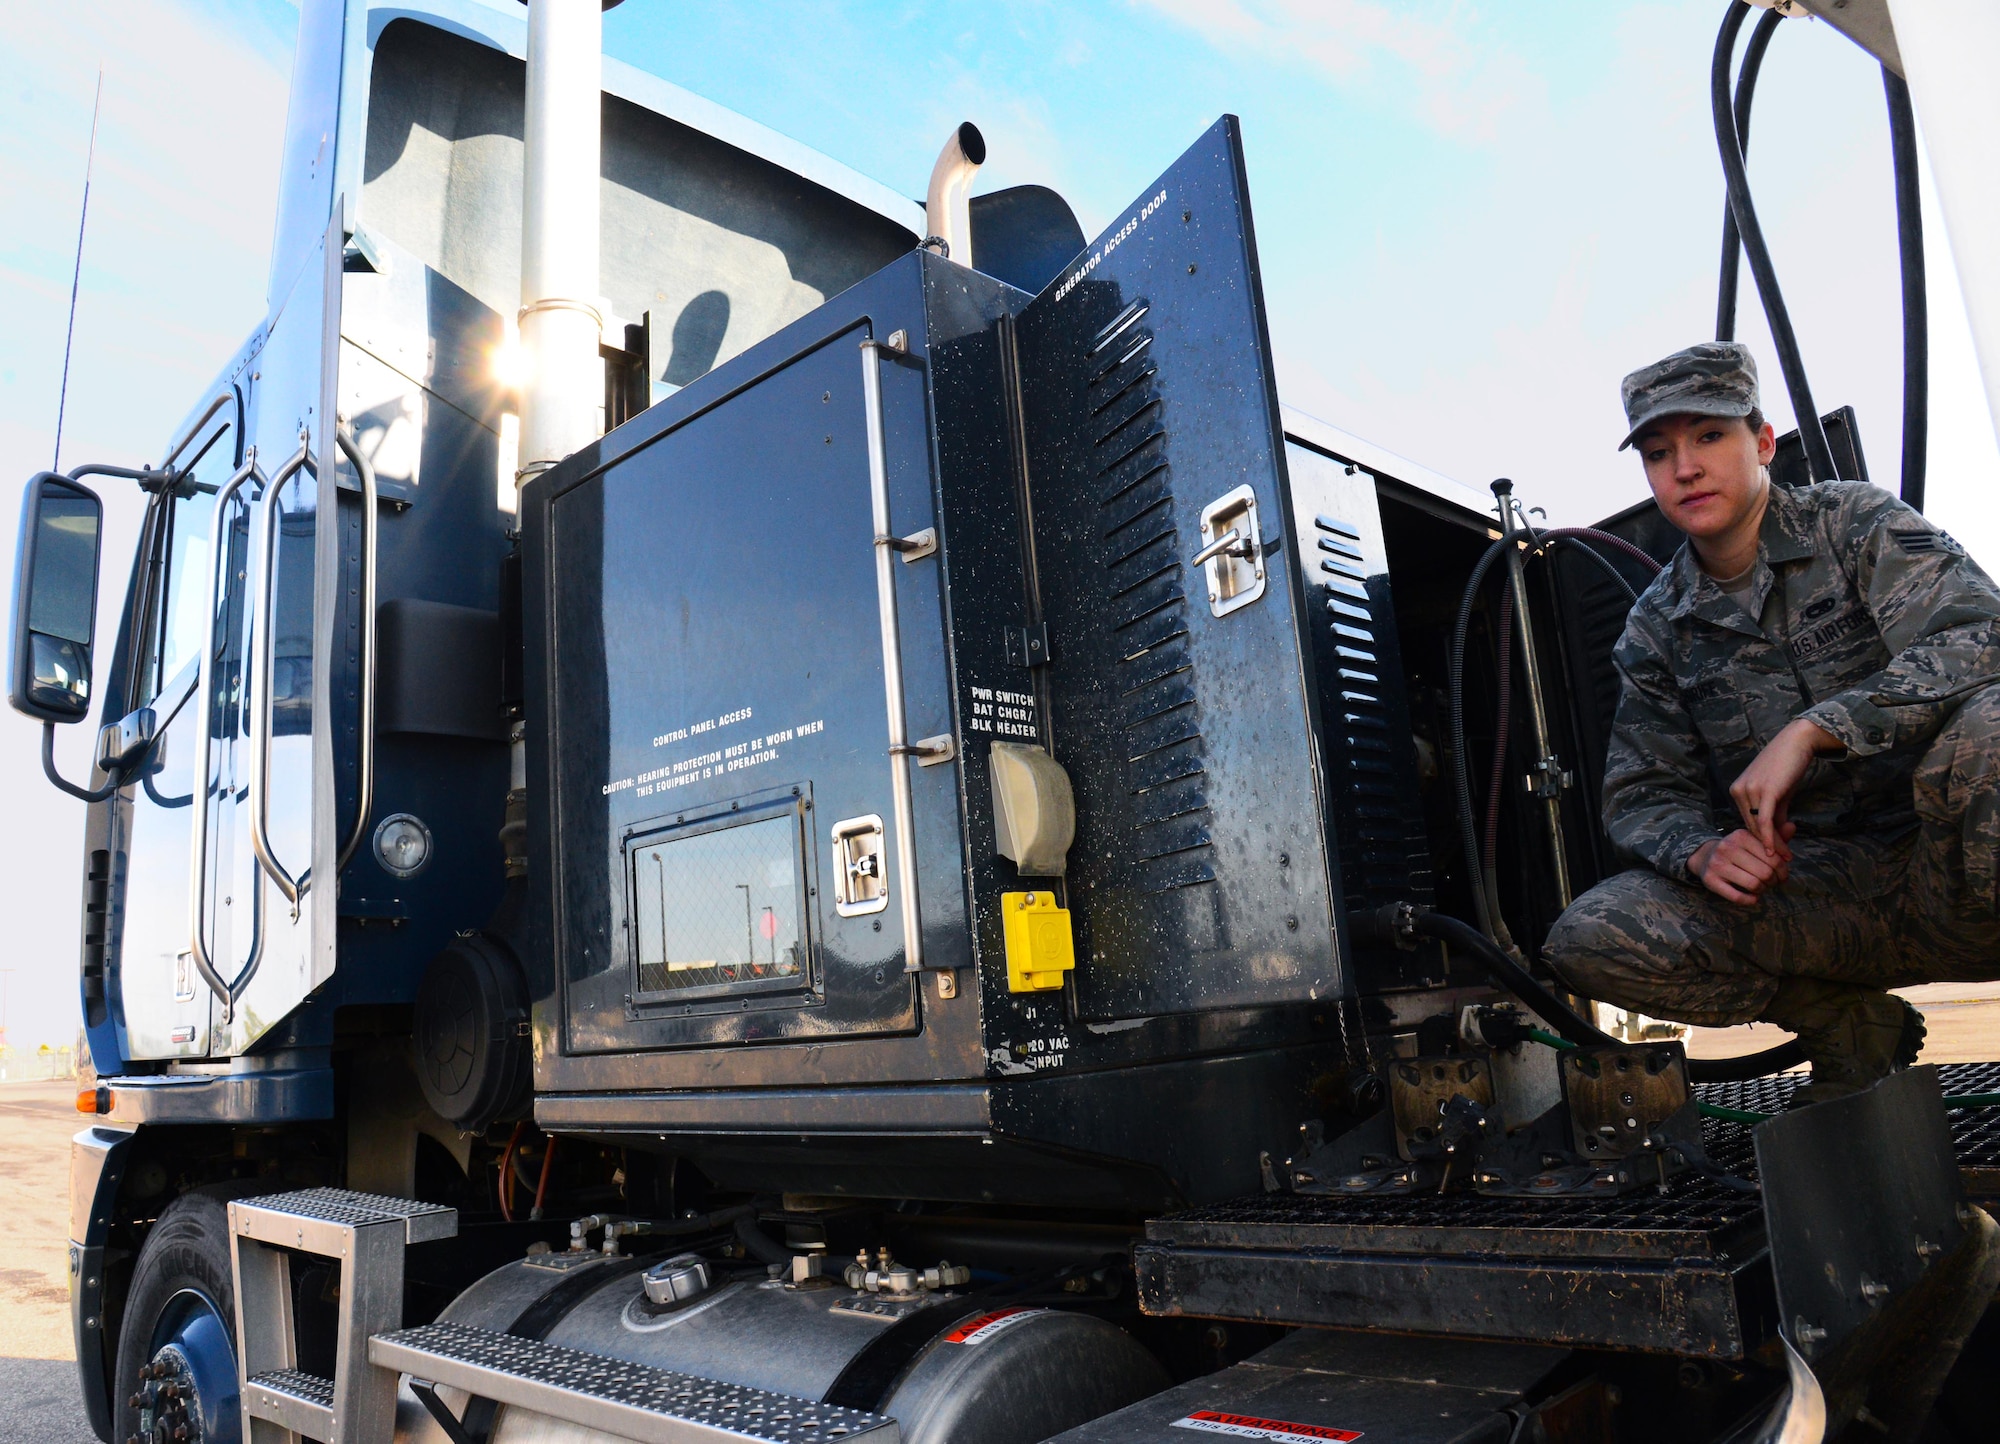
(178, 1334)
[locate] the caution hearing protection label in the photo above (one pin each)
(981, 1327)
(1249, 1426)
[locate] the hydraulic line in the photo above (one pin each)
(1916, 307)
(1506, 681)
(1469, 830)
(548, 1166)
(1748, 1116)
(1546, 780)
(1578, 538)
(1819, 457)
(1732, 239)
(1514, 978)
(504, 1189)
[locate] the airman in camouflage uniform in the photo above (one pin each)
(1805, 761)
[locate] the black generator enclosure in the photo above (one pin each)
(710, 767)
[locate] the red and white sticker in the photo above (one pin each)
(981, 1327)
(1249, 1426)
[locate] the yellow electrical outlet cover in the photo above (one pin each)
(1040, 947)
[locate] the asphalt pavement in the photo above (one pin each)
(38, 1392)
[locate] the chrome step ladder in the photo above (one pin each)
(366, 1233)
(613, 1396)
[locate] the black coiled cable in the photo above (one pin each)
(1819, 457)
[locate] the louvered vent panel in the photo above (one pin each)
(1376, 845)
(1147, 607)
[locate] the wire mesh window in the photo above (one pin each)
(720, 910)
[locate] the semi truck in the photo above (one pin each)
(732, 807)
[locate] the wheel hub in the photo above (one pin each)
(169, 1412)
(187, 1391)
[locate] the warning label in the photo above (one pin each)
(1249, 1426)
(981, 1327)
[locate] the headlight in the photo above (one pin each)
(402, 844)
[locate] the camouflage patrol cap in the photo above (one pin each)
(1710, 378)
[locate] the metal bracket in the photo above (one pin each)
(454, 1430)
(1548, 779)
(930, 751)
(914, 547)
(1029, 646)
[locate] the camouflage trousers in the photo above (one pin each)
(1918, 906)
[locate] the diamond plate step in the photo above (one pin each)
(292, 1400)
(317, 1219)
(632, 1401)
(367, 1233)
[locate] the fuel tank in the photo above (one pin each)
(948, 1366)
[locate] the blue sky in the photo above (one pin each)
(1474, 216)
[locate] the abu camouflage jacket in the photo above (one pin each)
(1870, 621)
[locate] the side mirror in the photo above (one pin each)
(55, 599)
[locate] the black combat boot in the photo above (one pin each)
(1854, 1037)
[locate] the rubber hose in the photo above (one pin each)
(1468, 826)
(1732, 239)
(758, 1244)
(1573, 1027)
(1579, 535)
(1819, 458)
(1515, 979)
(1916, 307)
(1780, 1059)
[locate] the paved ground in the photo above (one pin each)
(1962, 1023)
(38, 1395)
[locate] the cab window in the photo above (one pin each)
(177, 627)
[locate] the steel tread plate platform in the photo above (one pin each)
(1694, 1217)
(631, 1400)
(1547, 1269)
(1975, 1132)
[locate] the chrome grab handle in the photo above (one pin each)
(900, 751)
(187, 437)
(364, 792)
(1231, 543)
(203, 787)
(262, 689)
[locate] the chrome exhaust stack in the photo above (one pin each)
(947, 205)
(562, 389)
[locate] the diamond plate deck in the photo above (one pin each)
(635, 1401)
(1680, 1269)
(1975, 1132)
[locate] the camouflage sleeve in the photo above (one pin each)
(1936, 610)
(1656, 795)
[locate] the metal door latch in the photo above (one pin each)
(860, 877)
(1232, 551)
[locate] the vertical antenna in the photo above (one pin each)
(76, 277)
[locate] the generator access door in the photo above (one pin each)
(1179, 692)
(728, 848)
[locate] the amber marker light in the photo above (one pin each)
(93, 1100)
